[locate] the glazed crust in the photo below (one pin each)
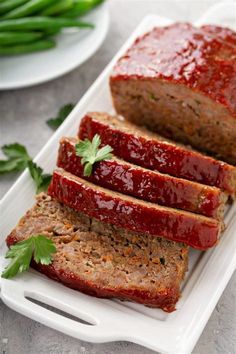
(223, 33)
(143, 148)
(123, 177)
(136, 215)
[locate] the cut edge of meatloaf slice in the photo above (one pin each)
(104, 261)
(145, 148)
(164, 82)
(134, 214)
(124, 177)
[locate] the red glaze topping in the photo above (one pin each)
(222, 33)
(185, 55)
(126, 212)
(152, 186)
(160, 155)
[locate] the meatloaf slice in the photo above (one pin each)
(180, 81)
(141, 147)
(104, 261)
(132, 214)
(139, 182)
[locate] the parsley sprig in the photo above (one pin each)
(18, 159)
(42, 180)
(54, 123)
(90, 153)
(37, 247)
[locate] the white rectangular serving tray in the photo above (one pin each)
(99, 320)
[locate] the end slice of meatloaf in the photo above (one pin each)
(104, 261)
(133, 214)
(144, 148)
(181, 82)
(155, 187)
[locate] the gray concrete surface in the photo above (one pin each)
(22, 118)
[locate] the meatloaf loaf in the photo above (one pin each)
(180, 81)
(141, 147)
(104, 261)
(124, 177)
(133, 214)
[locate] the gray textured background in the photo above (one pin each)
(22, 117)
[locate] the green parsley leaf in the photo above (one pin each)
(104, 153)
(37, 247)
(18, 158)
(15, 151)
(54, 123)
(88, 169)
(46, 180)
(90, 153)
(41, 180)
(36, 173)
(12, 165)
(43, 250)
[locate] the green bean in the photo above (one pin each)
(81, 7)
(27, 48)
(31, 7)
(9, 5)
(59, 8)
(51, 31)
(7, 38)
(40, 23)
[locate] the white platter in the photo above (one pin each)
(73, 48)
(98, 320)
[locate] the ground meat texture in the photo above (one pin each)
(123, 177)
(105, 261)
(180, 81)
(144, 148)
(132, 214)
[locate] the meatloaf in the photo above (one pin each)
(124, 177)
(141, 147)
(180, 81)
(104, 261)
(133, 214)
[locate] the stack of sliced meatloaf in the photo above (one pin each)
(124, 231)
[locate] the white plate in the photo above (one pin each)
(73, 48)
(112, 320)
